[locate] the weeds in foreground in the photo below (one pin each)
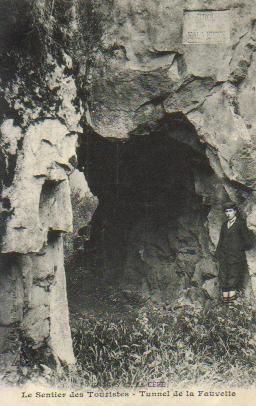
(189, 345)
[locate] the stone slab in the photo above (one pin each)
(206, 27)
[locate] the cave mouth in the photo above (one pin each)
(149, 224)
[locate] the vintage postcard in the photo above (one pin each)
(127, 202)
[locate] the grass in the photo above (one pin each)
(120, 342)
(189, 345)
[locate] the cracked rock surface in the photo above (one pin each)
(142, 72)
(120, 69)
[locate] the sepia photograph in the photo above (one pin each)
(127, 202)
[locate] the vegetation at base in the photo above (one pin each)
(188, 345)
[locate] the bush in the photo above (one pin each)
(188, 345)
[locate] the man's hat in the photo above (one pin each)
(230, 205)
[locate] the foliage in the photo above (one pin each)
(34, 27)
(37, 34)
(42, 41)
(188, 345)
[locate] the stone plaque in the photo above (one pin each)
(206, 27)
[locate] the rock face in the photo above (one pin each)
(38, 139)
(41, 175)
(145, 71)
(124, 71)
(37, 209)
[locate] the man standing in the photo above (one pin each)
(235, 239)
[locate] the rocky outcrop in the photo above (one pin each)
(38, 138)
(36, 210)
(41, 175)
(144, 71)
(124, 71)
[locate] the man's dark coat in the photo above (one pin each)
(230, 252)
(233, 242)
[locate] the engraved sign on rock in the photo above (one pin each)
(206, 27)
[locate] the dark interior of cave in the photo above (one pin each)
(148, 210)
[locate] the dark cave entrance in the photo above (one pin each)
(149, 224)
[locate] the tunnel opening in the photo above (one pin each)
(148, 231)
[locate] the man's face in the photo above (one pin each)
(230, 213)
